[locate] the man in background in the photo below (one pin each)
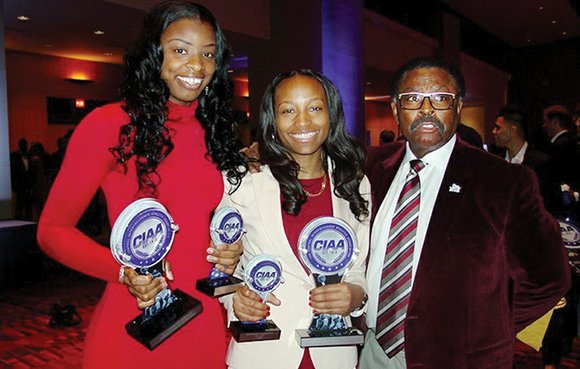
(21, 182)
(509, 133)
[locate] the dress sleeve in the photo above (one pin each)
(535, 252)
(86, 164)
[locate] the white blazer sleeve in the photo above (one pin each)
(356, 274)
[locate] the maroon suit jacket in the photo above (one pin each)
(492, 261)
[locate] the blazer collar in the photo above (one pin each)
(266, 189)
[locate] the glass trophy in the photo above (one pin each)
(263, 274)
(226, 227)
(571, 238)
(327, 247)
(141, 238)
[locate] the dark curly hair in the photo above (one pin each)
(346, 153)
(145, 97)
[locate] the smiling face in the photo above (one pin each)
(302, 120)
(189, 49)
(427, 129)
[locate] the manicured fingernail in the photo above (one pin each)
(211, 259)
(268, 313)
(210, 251)
(315, 311)
(310, 304)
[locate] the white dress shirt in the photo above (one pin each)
(553, 139)
(431, 178)
(519, 158)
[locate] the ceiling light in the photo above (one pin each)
(230, 71)
(529, 40)
(553, 22)
(99, 32)
(23, 18)
(564, 33)
(369, 83)
(541, 8)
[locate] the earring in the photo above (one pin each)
(206, 89)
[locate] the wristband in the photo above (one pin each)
(362, 304)
(122, 274)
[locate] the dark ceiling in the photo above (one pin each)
(491, 30)
(66, 28)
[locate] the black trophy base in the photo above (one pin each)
(219, 287)
(254, 332)
(343, 337)
(153, 331)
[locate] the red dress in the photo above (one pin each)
(314, 207)
(190, 188)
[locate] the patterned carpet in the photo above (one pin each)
(27, 341)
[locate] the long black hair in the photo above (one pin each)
(346, 153)
(145, 97)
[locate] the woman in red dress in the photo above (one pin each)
(169, 138)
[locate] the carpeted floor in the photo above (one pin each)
(27, 341)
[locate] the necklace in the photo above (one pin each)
(322, 188)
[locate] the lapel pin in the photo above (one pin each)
(455, 188)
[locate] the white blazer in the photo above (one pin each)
(258, 201)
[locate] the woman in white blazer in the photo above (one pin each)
(303, 145)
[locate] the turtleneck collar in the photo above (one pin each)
(178, 112)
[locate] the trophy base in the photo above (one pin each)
(343, 337)
(254, 332)
(218, 287)
(153, 331)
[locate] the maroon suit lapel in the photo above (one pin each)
(449, 201)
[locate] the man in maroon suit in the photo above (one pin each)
(476, 256)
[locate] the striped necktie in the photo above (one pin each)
(398, 265)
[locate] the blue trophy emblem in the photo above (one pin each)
(263, 274)
(141, 238)
(226, 227)
(327, 247)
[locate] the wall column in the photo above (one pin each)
(5, 190)
(342, 58)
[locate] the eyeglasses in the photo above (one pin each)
(438, 100)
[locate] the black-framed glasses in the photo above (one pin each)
(414, 100)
